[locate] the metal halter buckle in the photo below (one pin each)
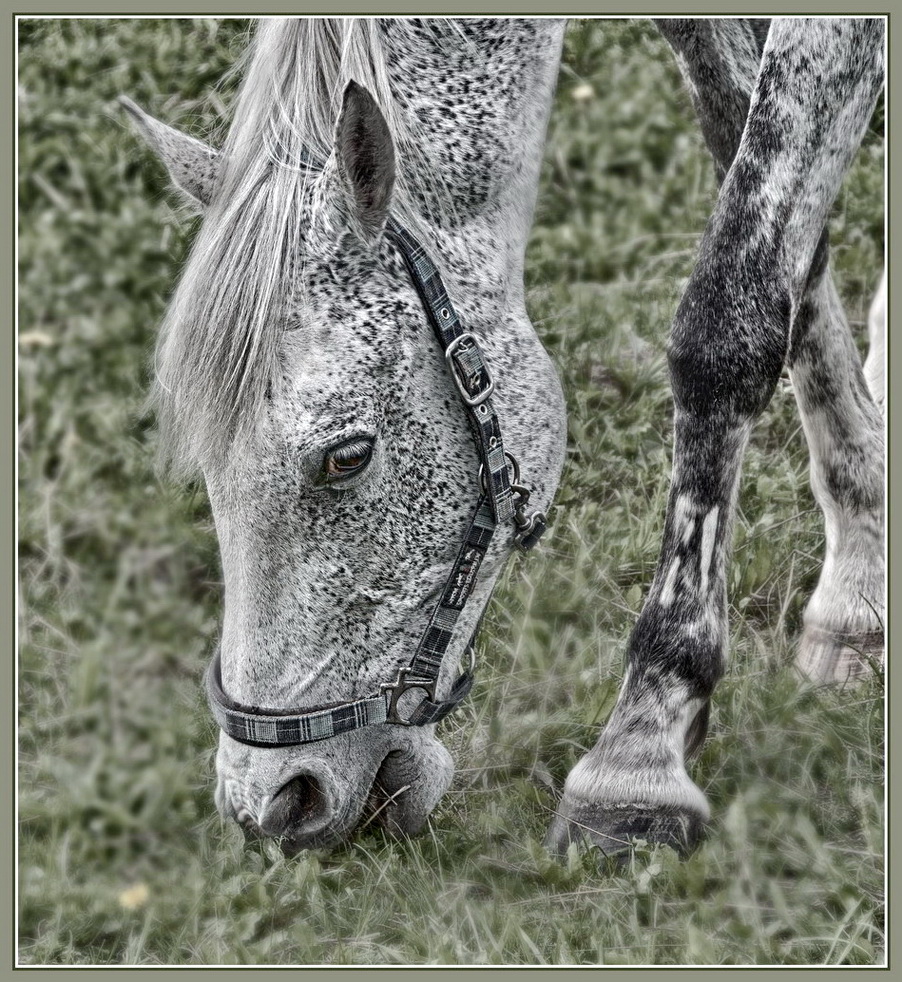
(463, 342)
(401, 685)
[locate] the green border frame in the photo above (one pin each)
(99, 8)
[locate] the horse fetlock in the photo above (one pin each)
(843, 637)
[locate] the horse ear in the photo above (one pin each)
(192, 165)
(365, 156)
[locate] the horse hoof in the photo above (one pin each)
(614, 829)
(831, 656)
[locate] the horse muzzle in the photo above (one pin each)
(315, 796)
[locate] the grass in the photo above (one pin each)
(122, 858)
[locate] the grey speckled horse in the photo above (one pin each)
(298, 372)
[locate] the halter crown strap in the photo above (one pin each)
(469, 370)
(501, 501)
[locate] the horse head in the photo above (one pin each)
(299, 372)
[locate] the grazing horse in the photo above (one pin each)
(348, 361)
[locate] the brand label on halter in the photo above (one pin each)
(463, 579)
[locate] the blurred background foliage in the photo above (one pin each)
(122, 859)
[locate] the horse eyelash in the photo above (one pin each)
(357, 448)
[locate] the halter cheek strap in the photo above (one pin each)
(503, 499)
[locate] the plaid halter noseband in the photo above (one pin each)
(502, 499)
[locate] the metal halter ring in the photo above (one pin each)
(401, 685)
(406, 681)
(515, 474)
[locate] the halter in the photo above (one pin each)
(502, 499)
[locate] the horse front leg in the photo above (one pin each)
(634, 783)
(814, 94)
(843, 636)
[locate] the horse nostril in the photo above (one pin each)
(299, 808)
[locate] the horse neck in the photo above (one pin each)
(477, 94)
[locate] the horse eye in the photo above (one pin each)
(347, 459)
